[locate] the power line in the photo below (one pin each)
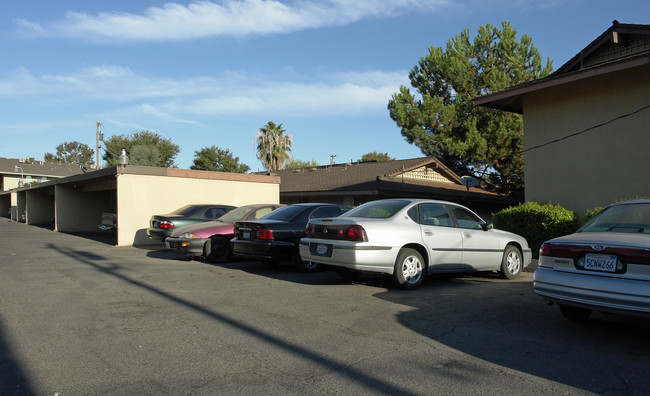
(585, 130)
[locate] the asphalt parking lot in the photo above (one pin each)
(79, 317)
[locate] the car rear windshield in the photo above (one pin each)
(285, 213)
(377, 209)
(236, 214)
(185, 210)
(621, 218)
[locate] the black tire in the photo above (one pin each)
(409, 269)
(347, 274)
(217, 250)
(575, 314)
(304, 266)
(511, 263)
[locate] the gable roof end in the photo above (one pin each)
(621, 47)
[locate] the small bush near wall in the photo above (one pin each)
(537, 222)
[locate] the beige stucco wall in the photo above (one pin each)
(141, 196)
(597, 167)
(10, 182)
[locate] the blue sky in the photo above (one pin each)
(205, 73)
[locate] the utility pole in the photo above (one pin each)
(97, 139)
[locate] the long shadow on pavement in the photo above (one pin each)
(376, 385)
(12, 379)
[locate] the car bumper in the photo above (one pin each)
(276, 250)
(594, 292)
(157, 233)
(353, 256)
(190, 247)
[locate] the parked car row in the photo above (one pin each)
(211, 240)
(604, 266)
(405, 238)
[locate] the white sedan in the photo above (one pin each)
(409, 238)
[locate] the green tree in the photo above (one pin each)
(219, 160)
(442, 119)
(296, 164)
(273, 146)
(144, 154)
(143, 148)
(375, 156)
(72, 153)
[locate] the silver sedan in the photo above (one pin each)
(409, 238)
(604, 266)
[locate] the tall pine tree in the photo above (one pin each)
(441, 119)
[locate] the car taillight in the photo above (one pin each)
(356, 233)
(545, 249)
(167, 225)
(310, 230)
(264, 234)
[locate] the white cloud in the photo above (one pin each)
(237, 18)
(115, 91)
(106, 87)
(341, 94)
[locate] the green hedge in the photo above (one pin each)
(537, 222)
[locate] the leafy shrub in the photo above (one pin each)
(537, 222)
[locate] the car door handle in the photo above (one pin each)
(428, 232)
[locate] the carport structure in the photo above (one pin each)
(82, 203)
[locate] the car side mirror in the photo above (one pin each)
(487, 226)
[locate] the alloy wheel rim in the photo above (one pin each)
(514, 263)
(412, 269)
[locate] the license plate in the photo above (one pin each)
(321, 249)
(169, 245)
(600, 262)
(246, 235)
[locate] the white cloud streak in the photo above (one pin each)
(179, 100)
(230, 18)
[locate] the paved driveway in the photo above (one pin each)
(79, 317)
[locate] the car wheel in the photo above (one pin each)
(218, 250)
(511, 263)
(304, 266)
(409, 269)
(347, 274)
(575, 314)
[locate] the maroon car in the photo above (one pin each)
(211, 240)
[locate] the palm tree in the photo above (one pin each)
(273, 146)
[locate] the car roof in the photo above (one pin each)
(417, 200)
(315, 204)
(631, 202)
